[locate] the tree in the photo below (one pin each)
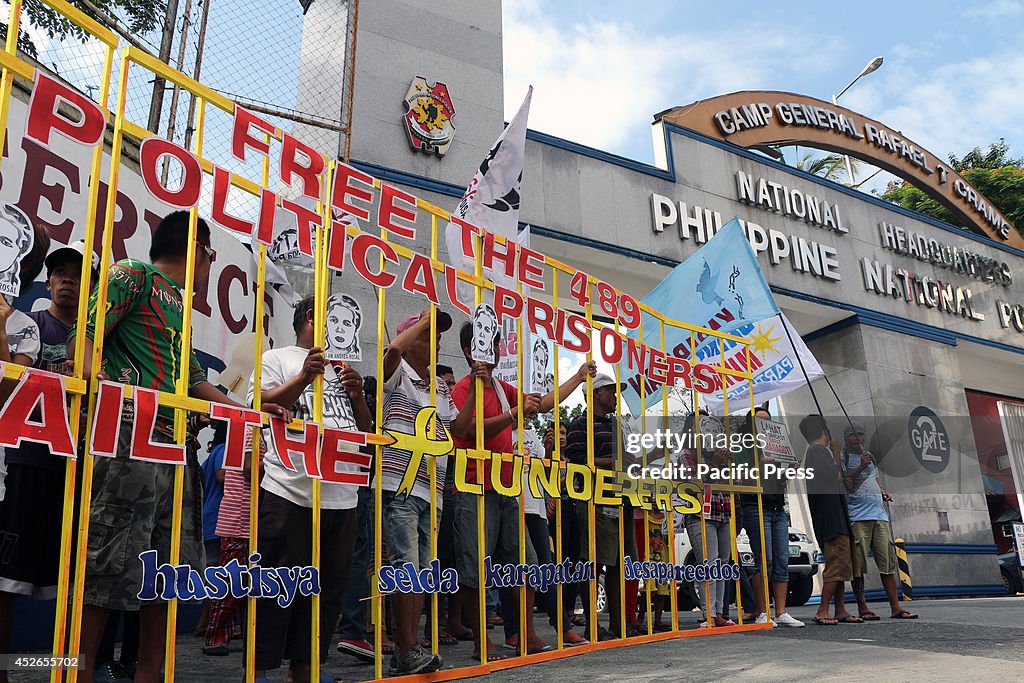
(539, 423)
(139, 16)
(998, 176)
(828, 166)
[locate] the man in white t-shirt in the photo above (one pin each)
(286, 499)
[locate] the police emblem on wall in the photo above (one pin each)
(429, 117)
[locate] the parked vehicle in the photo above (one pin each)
(1010, 572)
(804, 561)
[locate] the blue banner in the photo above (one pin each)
(720, 287)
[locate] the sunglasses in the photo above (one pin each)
(210, 252)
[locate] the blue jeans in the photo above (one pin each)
(353, 607)
(406, 526)
(776, 538)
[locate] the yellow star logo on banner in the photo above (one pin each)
(762, 341)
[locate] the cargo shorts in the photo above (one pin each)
(131, 512)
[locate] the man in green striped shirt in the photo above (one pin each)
(132, 500)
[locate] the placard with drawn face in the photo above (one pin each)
(541, 381)
(485, 327)
(344, 322)
(16, 240)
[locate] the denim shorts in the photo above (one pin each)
(501, 534)
(776, 537)
(406, 525)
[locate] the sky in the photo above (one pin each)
(953, 76)
(952, 79)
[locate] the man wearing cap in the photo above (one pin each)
(406, 514)
(608, 437)
(866, 500)
(502, 404)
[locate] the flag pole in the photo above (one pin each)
(808, 379)
(800, 361)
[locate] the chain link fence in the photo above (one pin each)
(273, 57)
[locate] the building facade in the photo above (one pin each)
(918, 325)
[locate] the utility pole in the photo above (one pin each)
(157, 103)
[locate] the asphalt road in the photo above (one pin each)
(981, 639)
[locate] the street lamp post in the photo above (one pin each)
(868, 68)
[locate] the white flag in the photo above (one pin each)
(491, 201)
(778, 366)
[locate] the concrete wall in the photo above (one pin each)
(591, 205)
(860, 362)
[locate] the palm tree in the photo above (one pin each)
(828, 166)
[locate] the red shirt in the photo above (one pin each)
(500, 442)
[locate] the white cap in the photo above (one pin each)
(77, 249)
(605, 380)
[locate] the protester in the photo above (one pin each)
(227, 615)
(32, 478)
(446, 375)
(406, 519)
(352, 636)
(502, 406)
(537, 529)
(715, 521)
(660, 592)
(608, 444)
(569, 525)
(866, 500)
(285, 512)
(775, 559)
(132, 500)
(213, 492)
(831, 520)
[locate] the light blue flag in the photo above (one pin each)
(720, 287)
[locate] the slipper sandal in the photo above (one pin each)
(537, 650)
(870, 616)
(447, 639)
(387, 648)
(850, 619)
(903, 614)
(491, 657)
(466, 636)
(825, 621)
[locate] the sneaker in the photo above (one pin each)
(762, 618)
(604, 634)
(360, 649)
(571, 639)
(785, 620)
(111, 672)
(415, 661)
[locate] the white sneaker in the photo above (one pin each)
(785, 620)
(762, 618)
